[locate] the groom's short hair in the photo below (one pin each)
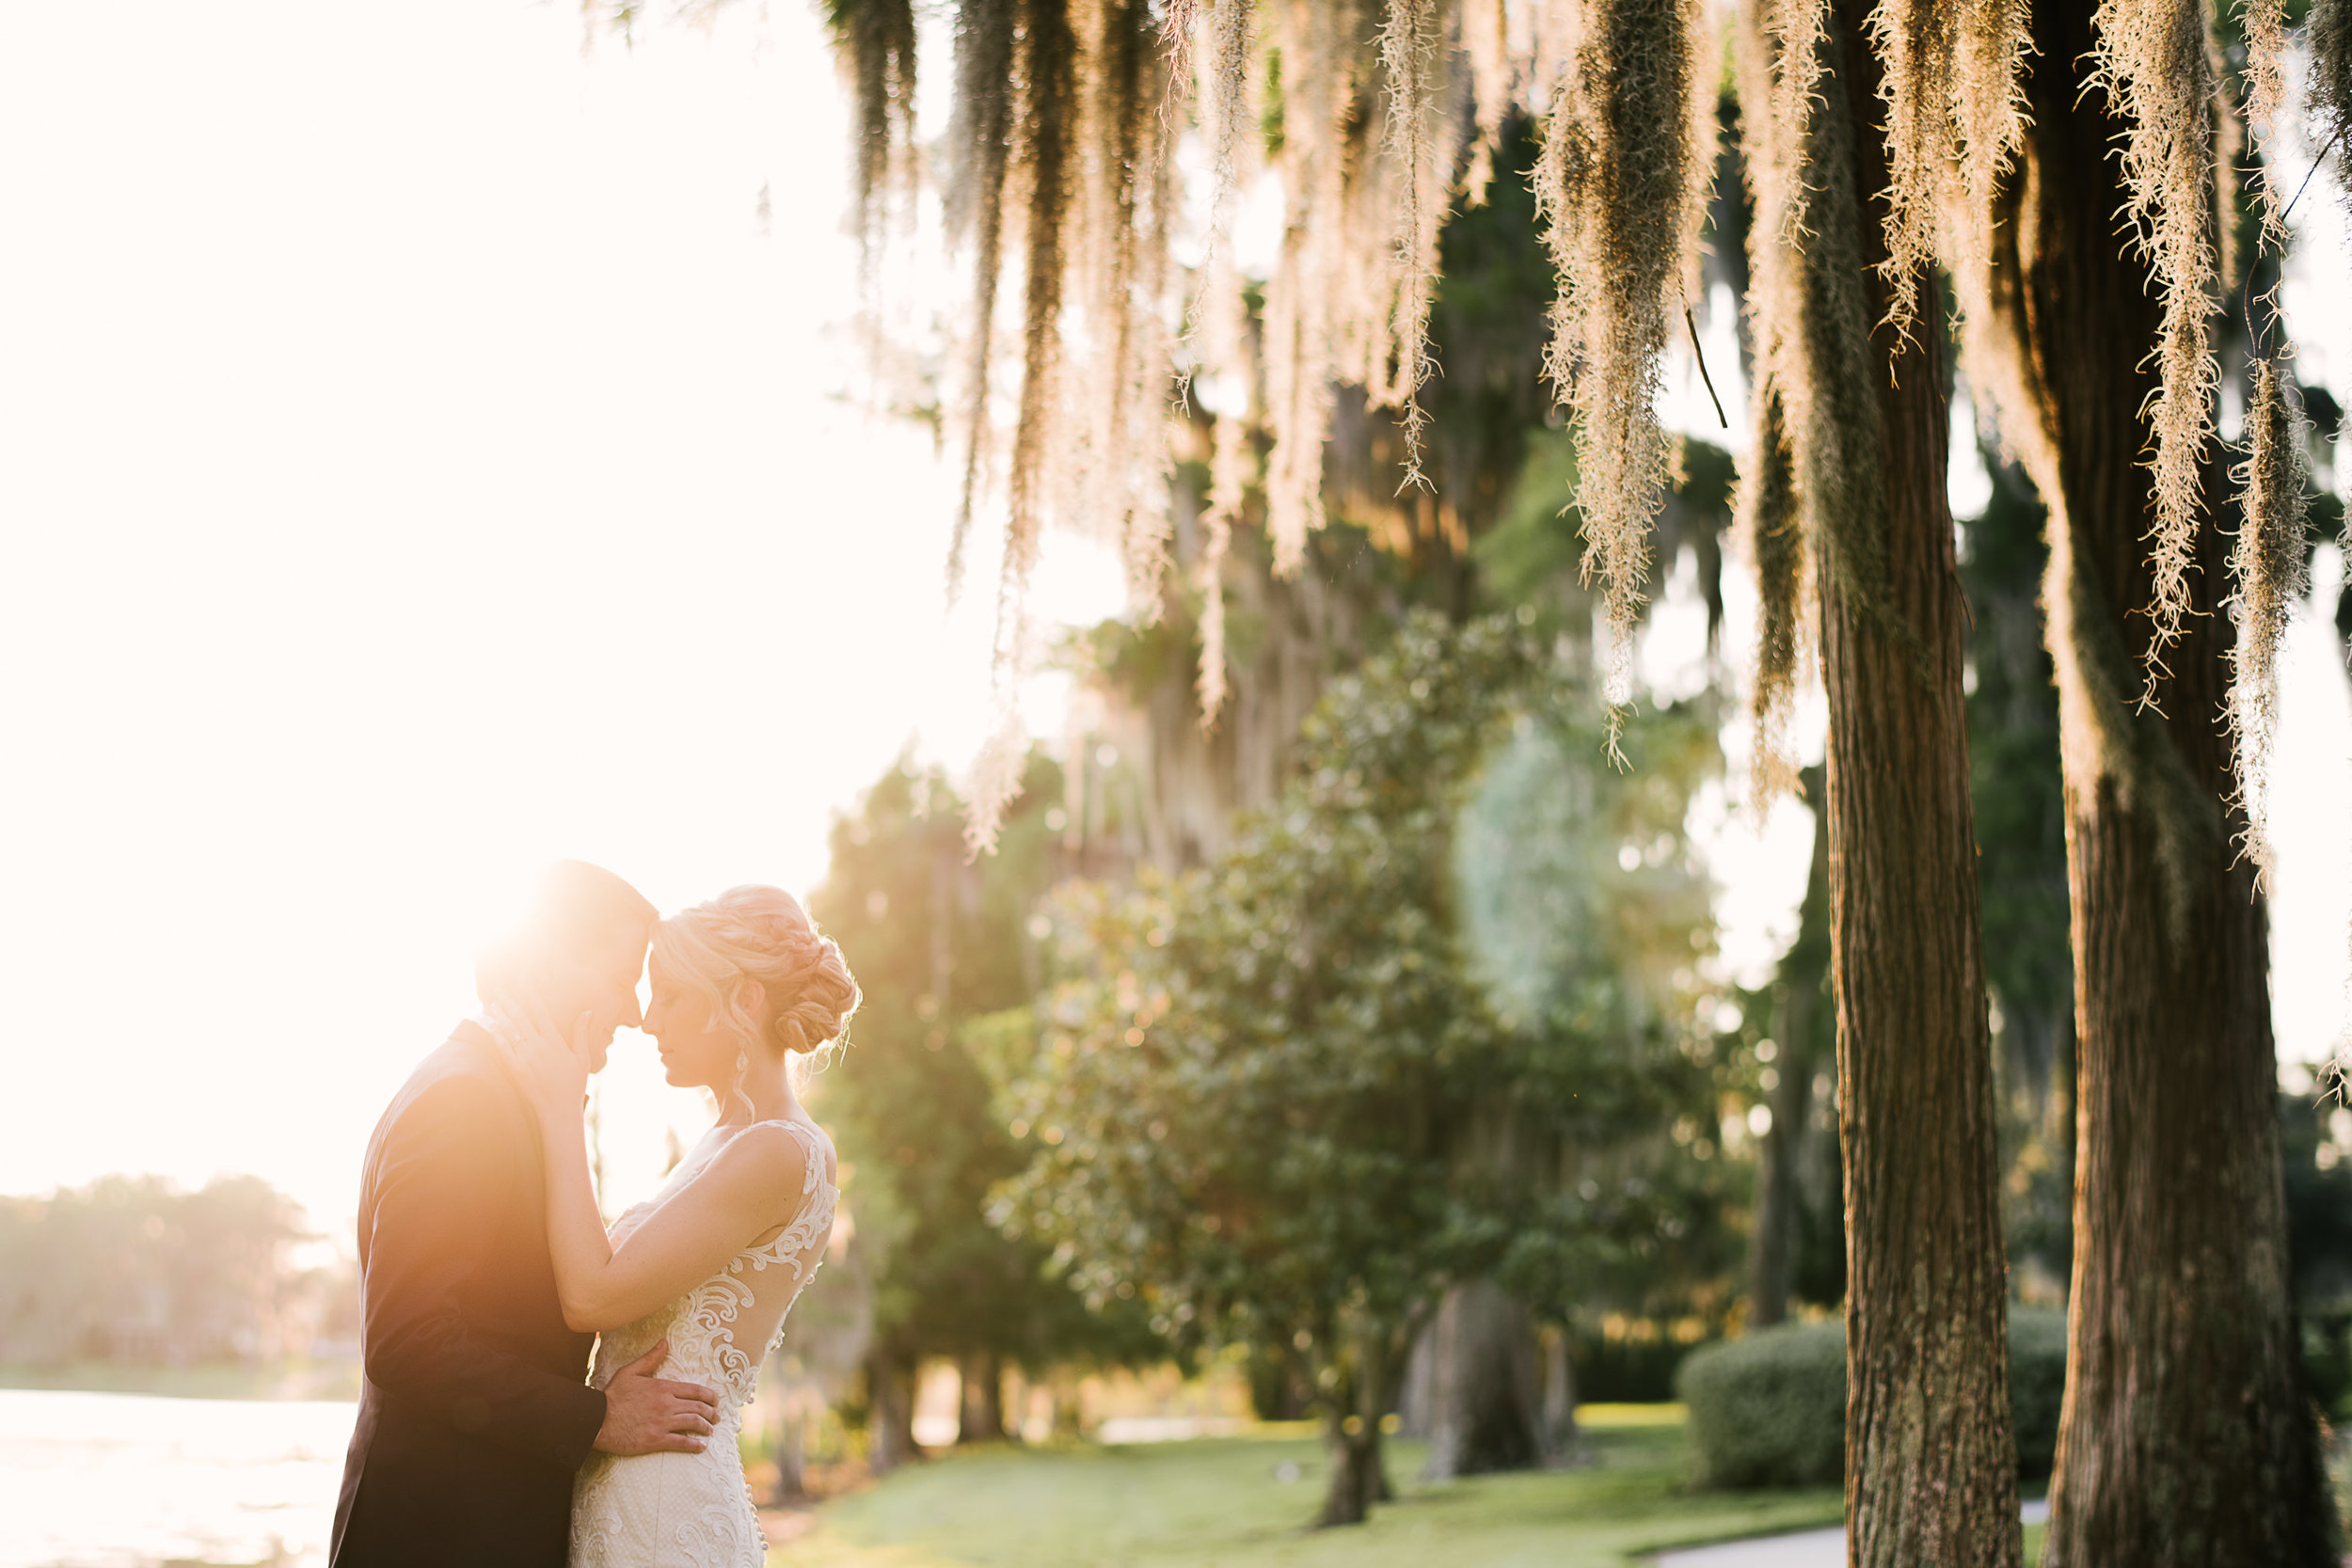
(573, 904)
(572, 908)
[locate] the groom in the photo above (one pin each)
(474, 1411)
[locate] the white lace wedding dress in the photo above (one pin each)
(694, 1510)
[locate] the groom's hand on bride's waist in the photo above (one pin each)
(645, 1413)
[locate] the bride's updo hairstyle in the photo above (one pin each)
(762, 933)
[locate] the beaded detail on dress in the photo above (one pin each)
(695, 1509)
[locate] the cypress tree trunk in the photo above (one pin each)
(1484, 1383)
(1357, 1478)
(980, 1402)
(1779, 1185)
(1772, 1248)
(791, 1432)
(1352, 1418)
(2186, 1437)
(1930, 1462)
(1555, 1427)
(1068, 1403)
(890, 1405)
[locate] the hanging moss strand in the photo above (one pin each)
(980, 144)
(874, 41)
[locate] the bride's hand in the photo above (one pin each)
(550, 1069)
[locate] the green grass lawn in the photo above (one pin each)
(1222, 1501)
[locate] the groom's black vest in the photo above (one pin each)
(473, 1414)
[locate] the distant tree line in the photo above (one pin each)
(132, 1270)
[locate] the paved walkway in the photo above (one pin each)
(1810, 1548)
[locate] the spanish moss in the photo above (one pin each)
(1411, 38)
(1231, 25)
(980, 142)
(1955, 113)
(1307, 317)
(1048, 50)
(1116, 389)
(1229, 478)
(2154, 59)
(1767, 507)
(1620, 190)
(1771, 523)
(874, 42)
(1486, 40)
(2271, 577)
(2265, 24)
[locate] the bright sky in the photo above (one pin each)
(419, 463)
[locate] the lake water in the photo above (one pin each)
(127, 1481)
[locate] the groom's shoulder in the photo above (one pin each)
(461, 1078)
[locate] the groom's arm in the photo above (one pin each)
(444, 1159)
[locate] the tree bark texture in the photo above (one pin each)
(1930, 1462)
(2186, 1437)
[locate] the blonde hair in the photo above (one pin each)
(762, 933)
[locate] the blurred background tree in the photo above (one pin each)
(942, 939)
(133, 1271)
(1425, 1023)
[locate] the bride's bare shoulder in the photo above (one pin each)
(773, 1152)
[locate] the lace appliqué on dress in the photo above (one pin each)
(695, 1509)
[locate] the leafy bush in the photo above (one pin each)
(2037, 1385)
(1770, 1410)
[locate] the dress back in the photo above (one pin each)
(695, 1509)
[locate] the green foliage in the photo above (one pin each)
(1293, 1091)
(2037, 1385)
(2017, 791)
(2013, 755)
(940, 941)
(2319, 1247)
(1625, 1371)
(1529, 557)
(1486, 325)
(1770, 1409)
(2319, 1205)
(1533, 553)
(131, 1270)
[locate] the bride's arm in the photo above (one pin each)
(678, 1246)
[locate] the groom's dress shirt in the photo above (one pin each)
(473, 1414)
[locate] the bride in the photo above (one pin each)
(712, 1263)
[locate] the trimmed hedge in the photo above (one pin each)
(2037, 1385)
(1770, 1409)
